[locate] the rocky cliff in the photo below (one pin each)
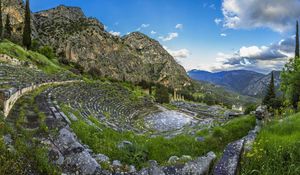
(84, 41)
(16, 10)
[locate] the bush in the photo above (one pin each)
(95, 72)
(250, 108)
(35, 45)
(48, 52)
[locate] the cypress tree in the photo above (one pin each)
(297, 41)
(270, 92)
(162, 94)
(27, 27)
(8, 28)
(1, 23)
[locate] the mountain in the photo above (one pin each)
(83, 41)
(242, 81)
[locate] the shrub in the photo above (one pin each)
(95, 72)
(250, 108)
(48, 52)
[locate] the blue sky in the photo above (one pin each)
(212, 35)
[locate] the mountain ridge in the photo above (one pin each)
(245, 82)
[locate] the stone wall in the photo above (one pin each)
(14, 61)
(9, 103)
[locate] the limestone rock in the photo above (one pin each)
(261, 112)
(200, 165)
(228, 165)
(72, 155)
(101, 158)
(66, 142)
(116, 164)
(7, 139)
(185, 158)
(173, 159)
(84, 41)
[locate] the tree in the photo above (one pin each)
(48, 52)
(270, 92)
(8, 28)
(297, 41)
(1, 23)
(27, 27)
(290, 76)
(162, 94)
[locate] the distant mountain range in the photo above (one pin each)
(242, 81)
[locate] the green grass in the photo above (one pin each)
(276, 150)
(16, 51)
(159, 148)
(29, 152)
(170, 106)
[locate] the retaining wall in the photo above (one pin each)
(9, 103)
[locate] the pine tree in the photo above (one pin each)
(8, 28)
(297, 42)
(270, 95)
(27, 27)
(1, 23)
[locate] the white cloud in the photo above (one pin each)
(143, 26)
(153, 32)
(223, 34)
(105, 27)
(218, 21)
(278, 15)
(179, 26)
(115, 33)
(178, 54)
(169, 37)
(261, 59)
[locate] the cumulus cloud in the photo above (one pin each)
(178, 54)
(223, 34)
(278, 15)
(179, 26)
(153, 32)
(262, 59)
(115, 33)
(169, 37)
(218, 21)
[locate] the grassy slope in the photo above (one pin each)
(276, 150)
(16, 51)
